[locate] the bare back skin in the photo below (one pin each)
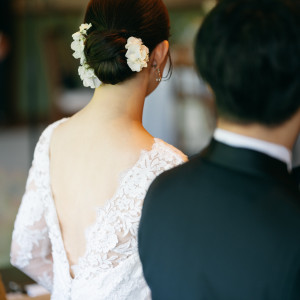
(91, 150)
(86, 163)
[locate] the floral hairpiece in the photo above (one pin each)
(137, 54)
(85, 72)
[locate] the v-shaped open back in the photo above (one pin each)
(110, 266)
(122, 237)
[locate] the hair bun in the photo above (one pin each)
(113, 22)
(105, 53)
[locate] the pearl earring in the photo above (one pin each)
(158, 73)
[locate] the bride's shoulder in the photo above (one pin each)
(51, 127)
(41, 152)
(167, 151)
(47, 133)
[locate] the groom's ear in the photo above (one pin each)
(159, 55)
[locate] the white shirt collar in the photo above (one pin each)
(241, 141)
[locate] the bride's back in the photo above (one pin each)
(87, 161)
(91, 150)
(85, 191)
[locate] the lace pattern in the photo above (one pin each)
(113, 238)
(110, 267)
(31, 247)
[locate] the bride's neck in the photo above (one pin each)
(124, 101)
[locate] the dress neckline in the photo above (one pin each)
(122, 178)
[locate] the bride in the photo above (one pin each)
(76, 229)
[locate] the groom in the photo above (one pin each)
(226, 225)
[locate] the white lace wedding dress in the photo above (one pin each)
(110, 268)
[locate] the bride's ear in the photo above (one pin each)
(159, 56)
(156, 65)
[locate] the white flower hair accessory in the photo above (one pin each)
(85, 72)
(137, 54)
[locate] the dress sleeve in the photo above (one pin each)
(31, 247)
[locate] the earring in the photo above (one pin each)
(158, 73)
(158, 77)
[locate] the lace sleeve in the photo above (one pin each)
(31, 248)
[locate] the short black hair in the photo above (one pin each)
(113, 22)
(249, 53)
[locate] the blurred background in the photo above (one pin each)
(39, 84)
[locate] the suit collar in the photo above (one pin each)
(241, 141)
(246, 161)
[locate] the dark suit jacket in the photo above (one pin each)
(224, 226)
(296, 173)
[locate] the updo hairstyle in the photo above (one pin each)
(113, 22)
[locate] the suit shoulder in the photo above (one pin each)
(176, 177)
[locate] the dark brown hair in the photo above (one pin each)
(248, 51)
(113, 22)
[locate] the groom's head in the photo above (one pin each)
(249, 53)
